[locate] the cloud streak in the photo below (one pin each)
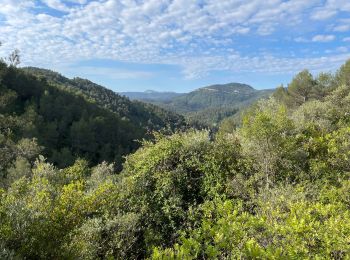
(323, 38)
(200, 36)
(111, 73)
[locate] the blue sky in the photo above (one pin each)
(178, 45)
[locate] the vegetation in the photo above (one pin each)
(143, 115)
(75, 118)
(209, 105)
(277, 187)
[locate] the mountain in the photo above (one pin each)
(151, 95)
(73, 118)
(208, 105)
(216, 96)
(146, 115)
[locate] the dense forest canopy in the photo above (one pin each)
(76, 118)
(143, 114)
(276, 187)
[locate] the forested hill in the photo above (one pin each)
(209, 105)
(74, 118)
(217, 96)
(140, 113)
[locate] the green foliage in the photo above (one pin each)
(304, 87)
(275, 186)
(74, 118)
(285, 226)
(212, 116)
(209, 105)
(140, 114)
(301, 87)
(43, 211)
(163, 181)
(108, 238)
(343, 74)
(267, 137)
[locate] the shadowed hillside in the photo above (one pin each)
(76, 118)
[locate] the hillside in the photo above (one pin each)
(217, 96)
(209, 105)
(75, 118)
(275, 187)
(145, 115)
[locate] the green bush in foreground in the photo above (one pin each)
(277, 187)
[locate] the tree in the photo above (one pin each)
(301, 87)
(343, 74)
(325, 83)
(14, 58)
(266, 136)
(280, 93)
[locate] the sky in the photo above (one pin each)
(178, 45)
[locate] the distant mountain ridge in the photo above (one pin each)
(151, 95)
(217, 96)
(74, 118)
(208, 104)
(153, 110)
(146, 115)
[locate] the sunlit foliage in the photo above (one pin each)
(274, 186)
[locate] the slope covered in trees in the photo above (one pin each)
(143, 114)
(212, 104)
(75, 118)
(217, 96)
(277, 187)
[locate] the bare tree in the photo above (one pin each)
(14, 58)
(1, 58)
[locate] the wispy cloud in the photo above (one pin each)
(323, 38)
(198, 36)
(56, 4)
(301, 39)
(323, 14)
(330, 9)
(111, 73)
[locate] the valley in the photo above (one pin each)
(207, 105)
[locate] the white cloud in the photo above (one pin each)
(266, 64)
(109, 73)
(301, 39)
(193, 34)
(330, 8)
(266, 29)
(56, 4)
(323, 14)
(346, 39)
(342, 49)
(342, 28)
(78, 1)
(343, 25)
(323, 38)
